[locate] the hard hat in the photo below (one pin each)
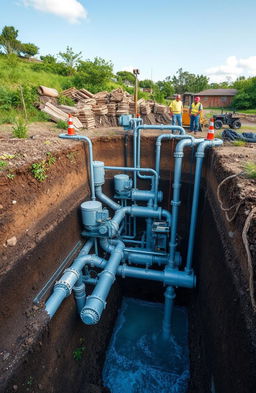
(197, 98)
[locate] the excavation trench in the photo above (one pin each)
(64, 355)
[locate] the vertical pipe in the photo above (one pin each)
(199, 162)
(85, 138)
(178, 154)
(168, 309)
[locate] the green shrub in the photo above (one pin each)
(63, 100)
(250, 169)
(20, 129)
(62, 125)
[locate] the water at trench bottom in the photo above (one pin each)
(138, 359)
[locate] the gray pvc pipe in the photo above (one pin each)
(178, 154)
(199, 162)
(96, 302)
(86, 139)
(159, 143)
(153, 127)
(64, 286)
(105, 199)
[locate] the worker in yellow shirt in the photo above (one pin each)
(195, 110)
(176, 108)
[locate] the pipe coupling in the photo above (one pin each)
(64, 285)
(199, 154)
(178, 154)
(174, 203)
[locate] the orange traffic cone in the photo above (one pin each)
(71, 130)
(210, 135)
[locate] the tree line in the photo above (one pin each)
(96, 74)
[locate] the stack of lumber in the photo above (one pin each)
(86, 117)
(86, 93)
(117, 95)
(111, 109)
(160, 108)
(76, 94)
(85, 103)
(102, 97)
(145, 108)
(57, 114)
(122, 108)
(131, 107)
(68, 109)
(100, 110)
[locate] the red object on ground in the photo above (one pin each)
(210, 135)
(71, 130)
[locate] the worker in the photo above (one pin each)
(195, 111)
(176, 108)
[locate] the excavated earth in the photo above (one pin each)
(40, 224)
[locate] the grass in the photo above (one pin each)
(20, 129)
(62, 125)
(40, 169)
(247, 111)
(250, 170)
(239, 143)
(3, 164)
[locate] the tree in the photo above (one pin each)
(187, 82)
(246, 96)
(8, 40)
(93, 74)
(70, 57)
(147, 84)
(166, 88)
(49, 59)
(126, 77)
(29, 49)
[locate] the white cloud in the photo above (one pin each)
(232, 69)
(72, 10)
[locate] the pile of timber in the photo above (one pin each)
(160, 108)
(145, 108)
(111, 109)
(76, 94)
(57, 114)
(100, 109)
(87, 118)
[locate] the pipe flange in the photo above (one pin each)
(97, 298)
(178, 155)
(70, 270)
(65, 285)
(199, 154)
(173, 203)
(89, 316)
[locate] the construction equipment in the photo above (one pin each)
(226, 119)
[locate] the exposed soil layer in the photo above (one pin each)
(44, 219)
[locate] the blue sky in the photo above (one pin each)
(216, 38)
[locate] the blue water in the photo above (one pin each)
(138, 360)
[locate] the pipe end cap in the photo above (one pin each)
(89, 316)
